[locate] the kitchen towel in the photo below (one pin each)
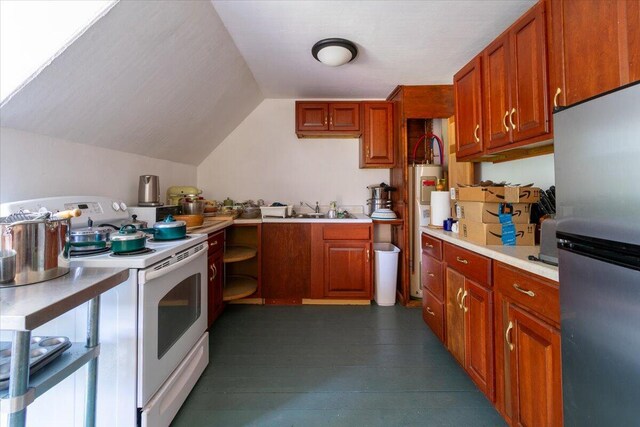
(440, 207)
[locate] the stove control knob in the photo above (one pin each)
(115, 206)
(123, 207)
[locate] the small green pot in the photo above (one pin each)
(128, 239)
(169, 229)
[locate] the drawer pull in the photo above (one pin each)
(212, 244)
(504, 121)
(430, 311)
(458, 297)
(555, 98)
(428, 245)
(475, 133)
(524, 291)
(212, 267)
(431, 274)
(462, 260)
(462, 306)
(513, 125)
(507, 336)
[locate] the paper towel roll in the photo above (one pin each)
(440, 207)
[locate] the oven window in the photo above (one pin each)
(177, 311)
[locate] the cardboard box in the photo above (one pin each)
(489, 213)
(499, 194)
(498, 234)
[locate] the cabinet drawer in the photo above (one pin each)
(432, 278)
(432, 246)
(474, 266)
(215, 242)
(540, 296)
(433, 314)
(346, 232)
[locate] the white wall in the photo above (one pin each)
(35, 166)
(537, 170)
(263, 159)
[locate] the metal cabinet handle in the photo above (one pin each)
(475, 133)
(513, 125)
(430, 274)
(212, 244)
(368, 255)
(428, 245)
(524, 291)
(507, 336)
(462, 260)
(555, 97)
(462, 302)
(212, 267)
(325, 120)
(330, 120)
(430, 311)
(504, 121)
(457, 297)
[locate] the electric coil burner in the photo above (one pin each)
(142, 251)
(88, 252)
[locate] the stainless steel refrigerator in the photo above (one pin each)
(597, 167)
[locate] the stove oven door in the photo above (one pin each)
(173, 316)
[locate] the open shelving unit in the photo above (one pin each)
(242, 263)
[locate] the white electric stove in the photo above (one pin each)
(154, 344)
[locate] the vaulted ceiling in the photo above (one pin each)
(171, 79)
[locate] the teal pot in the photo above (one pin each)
(128, 239)
(169, 229)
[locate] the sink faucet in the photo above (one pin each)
(316, 209)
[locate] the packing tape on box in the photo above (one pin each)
(440, 207)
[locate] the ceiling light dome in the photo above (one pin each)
(334, 52)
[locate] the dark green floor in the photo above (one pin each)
(331, 366)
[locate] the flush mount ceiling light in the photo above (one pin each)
(334, 52)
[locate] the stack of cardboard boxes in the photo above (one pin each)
(496, 215)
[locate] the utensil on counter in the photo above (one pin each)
(191, 220)
(40, 246)
(192, 207)
(90, 238)
(128, 239)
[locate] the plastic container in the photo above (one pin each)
(386, 273)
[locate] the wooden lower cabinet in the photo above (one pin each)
(341, 261)
(433, 313)
(286, 262)
(535, 373)
(528, 351)
(215, 277)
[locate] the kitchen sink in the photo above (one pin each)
(320, 216)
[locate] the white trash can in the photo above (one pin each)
(386, 273)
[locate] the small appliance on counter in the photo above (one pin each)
(149, 191)
(153, 214)
(177, 192)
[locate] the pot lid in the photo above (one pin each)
(88, 231)
(127, 232)
(169, 222)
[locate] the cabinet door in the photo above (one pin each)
(496, 93)
(312, 116)
(529, 114)
(344, 116)
(477, 305)
(633, 39)
(215, 288)
(588, 62)
(536, 378)
(377, 149)
(347, 269)
(432, 277)
(455, 316)
(468, 106)
(286, 262)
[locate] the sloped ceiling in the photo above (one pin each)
(399, 42)
(157, 78)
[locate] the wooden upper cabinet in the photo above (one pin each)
(529, 114)
(515, 87)
(327, 119)
(376, 142)
(497, 93)
(344, 116)
(467, 84)
(595, 47)
(312, 116)
(535, 370)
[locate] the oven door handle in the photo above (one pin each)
(147, 275)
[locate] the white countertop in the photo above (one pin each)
(516, 256)
(359, 219)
